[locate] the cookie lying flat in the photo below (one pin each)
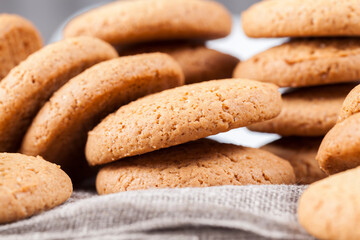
(309, 111)
(305, 62)
(29, 85)
(351, 104)
(18, 39)
(203, 163)
(301, 153)
(59, 131)
(124, 22)
(302, 18)
(329, 209)
(181, 115)
(340, 150)
(198, 62)
(29, 185)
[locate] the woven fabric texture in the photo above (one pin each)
(227, 212)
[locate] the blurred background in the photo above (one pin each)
(48, 15)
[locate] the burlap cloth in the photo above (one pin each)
(228, 212)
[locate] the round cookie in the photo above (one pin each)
(203, 163)
(309, 111)
(29, 185)
(198, 62)
(302, 18)
(329, 209)
(59, 131)
(29, 85)
(339, 149)
(126, 22)
(301, 153)
(305, 62)
(181, 115)
(18, 39)
(351, 104)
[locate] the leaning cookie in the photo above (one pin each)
(18, 39)
(29, 185)
(339, 149)
(181, 115)
(309, 111)
(59, 131)
(351, 104)
(302, 18)
(126, 22)
(203, 163)
(198, 62)
(29, 85)
(301, 153)
(305, 62)
(329, 209)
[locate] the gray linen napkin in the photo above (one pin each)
(227, 212)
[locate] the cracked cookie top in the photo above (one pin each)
(135, 21)
(305, 62)
(181, 115)
(302, 18)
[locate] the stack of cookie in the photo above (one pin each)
(177, 116)
(28, 185)
(180, 115)
(317, 69)
(178, 28)
(329, 208)
(51, 100)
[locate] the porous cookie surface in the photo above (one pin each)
(59, 131)
(29, 85)
(18, 39)
(181, 115)
(29, 185)
(339, 149)
(351, 104)
(203, 163)
(309, 111)
(133, 21)
(305, 62)
(301, 153)
(198, 62)
(329, 209)
(302, 18)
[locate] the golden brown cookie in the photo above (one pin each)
(339, 149)
(301, 153)
(198, 62)
(305, 62)
(329, 209)
(203, 163)
(59, 131)
(302, 18)
(311, 111)
(134, 21)
(351, 104)
(18, 39)
(29, 185)
(181, 115)
(30, 84)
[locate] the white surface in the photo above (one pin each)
(239, 45)
(236, 44)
